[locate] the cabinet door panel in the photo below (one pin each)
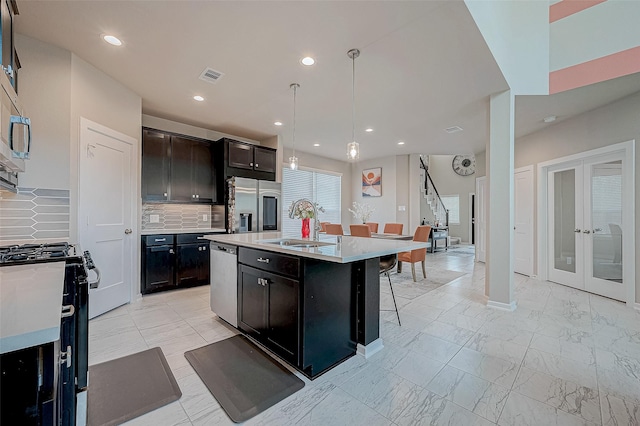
(155, 166)
(203, 173)
(283, 314)
(158, 264)
(253, 307)
(187, 264)
(265, 159)
(203, 263)
(240, 155)
(181, 180)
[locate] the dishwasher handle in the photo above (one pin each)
(225, 248)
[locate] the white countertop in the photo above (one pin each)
(30, 304)
(350, 250)
(180, 231)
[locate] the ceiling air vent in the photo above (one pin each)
(453, 129)
(210, 75)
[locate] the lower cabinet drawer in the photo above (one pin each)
(269, 261)
(440, 234)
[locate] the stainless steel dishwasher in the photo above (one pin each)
(224, 282)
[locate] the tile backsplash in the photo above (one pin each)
(181, 216)
(34, 213)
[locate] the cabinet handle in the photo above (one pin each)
(251, 164)
(577, 231)
(193, 196)
(586, 231)
(171, 251)
(160, 240)
(165, 194)
(199, 248)
(197, 196)
(263, 259)
(256, 165)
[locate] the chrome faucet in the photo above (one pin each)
(316, 226)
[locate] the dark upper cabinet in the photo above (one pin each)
(10, 63)
(264, 159)
(240, 155)
(246, 160)
(178, 168)
(156, 151)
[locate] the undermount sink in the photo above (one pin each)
(292, 242)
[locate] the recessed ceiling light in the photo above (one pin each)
(308, 61)
(401, 143)
(112, 40)
(198, 98)
(277, 123)
(369, 130)
(316, 144)
(550, 119)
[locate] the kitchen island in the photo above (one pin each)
(313, 303)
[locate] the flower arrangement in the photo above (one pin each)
(362, 211)
(304, 210)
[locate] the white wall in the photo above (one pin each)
(328, 164)
(610, 124)
(101, 99)
(384, 206)
(517, 33)
(45, 91)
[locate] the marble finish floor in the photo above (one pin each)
(564, 357)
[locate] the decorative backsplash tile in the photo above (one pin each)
(34, 213)
(181, 216)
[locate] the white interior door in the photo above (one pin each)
(565, 248)
(523, 221)
(481, 219)
(106, 212)
(586, 232)
(604, 227)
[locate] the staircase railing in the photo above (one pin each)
(429, 182)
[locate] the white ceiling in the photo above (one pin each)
(424, 66)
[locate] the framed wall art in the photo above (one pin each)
(372, 182)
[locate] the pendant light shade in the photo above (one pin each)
(293, 160)
(353, 148)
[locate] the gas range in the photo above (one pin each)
(52, 386)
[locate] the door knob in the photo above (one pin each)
(586, 231)
(128, 231)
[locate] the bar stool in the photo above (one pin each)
(334, 229)
(360, 230)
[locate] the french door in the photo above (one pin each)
(586, 224)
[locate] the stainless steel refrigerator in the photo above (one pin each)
(254, 205)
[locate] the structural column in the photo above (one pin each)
(500, 202)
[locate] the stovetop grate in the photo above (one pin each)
(27, 252)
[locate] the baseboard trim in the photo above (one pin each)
(502, 306)
(372, 348)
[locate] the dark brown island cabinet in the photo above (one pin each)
(179, 169)
(288, 304)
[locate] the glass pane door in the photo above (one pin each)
(565, 231)
(604, 220)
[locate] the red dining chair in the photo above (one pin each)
(417, 255)
(360, 230)
(393, 228)
(373, 226)
(334, 229)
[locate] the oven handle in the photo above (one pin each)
(96, 282)
(68, 311)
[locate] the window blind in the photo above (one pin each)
(323, 188)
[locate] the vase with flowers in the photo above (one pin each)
(304, 210)
(361, 211)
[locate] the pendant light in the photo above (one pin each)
(353, 148)
(293, 160)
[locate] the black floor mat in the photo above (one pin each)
(244, 379)
(125, 388)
